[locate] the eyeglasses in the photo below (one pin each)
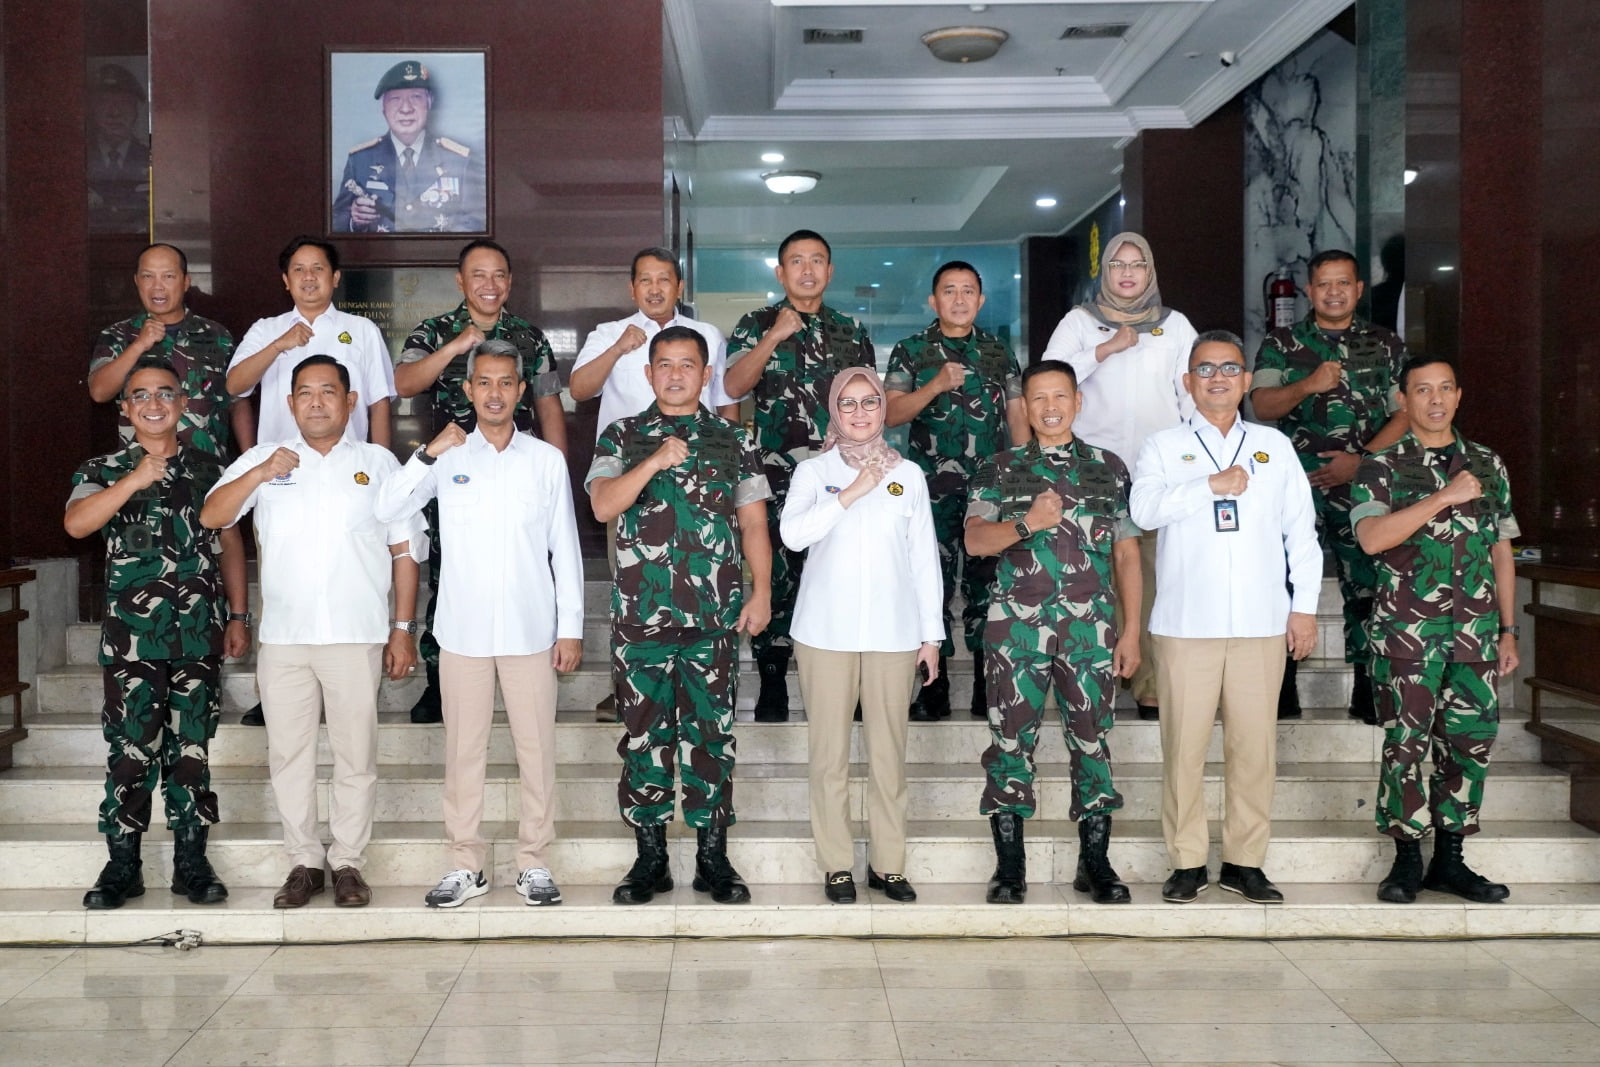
(1138, 264)
(847, 404)
(144, 396)
(1209, 370)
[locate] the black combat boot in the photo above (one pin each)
(1362, 705)
(1449, 873)
(192, 875)
(932, 701)
(1009, 883)
(772, 703)
(122, 878)
(980, 692)
(1095, 873)
(651, 873)
(429, 707)
(713, 873)
(1289, 692)
(1400, 885)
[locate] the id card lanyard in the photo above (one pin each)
(1224, 512)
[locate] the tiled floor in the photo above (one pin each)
(1011, 1001)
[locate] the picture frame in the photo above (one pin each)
(433, 102)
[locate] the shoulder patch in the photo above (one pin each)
(364, 145)
(453, 146)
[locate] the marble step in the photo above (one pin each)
(1323, 735)
(61, 855)
(1321, 682)
(1346, 911)
(1305, 791)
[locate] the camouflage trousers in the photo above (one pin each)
(427, 644)
(675, 695)
(948, 495)
(1452, 707)
(159, 717)
(1358, 576)
(1019, 678)
(786, 568)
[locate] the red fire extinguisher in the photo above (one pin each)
(1280, 298)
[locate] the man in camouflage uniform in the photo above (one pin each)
(687, 489)
(1329, 382)
(960, 389)
(163, 636)
(1055, 512)
(435, 357)
(1435, 512)
(197, 348)
(787, 354)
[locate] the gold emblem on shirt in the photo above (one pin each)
(361, 478)
(1261, 457)
(344, 338)
(1157, 332)
(895, 488)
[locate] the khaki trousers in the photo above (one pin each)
(301, 684)
(830, 683)
(466, 689)
(1143, 683)
(1195, 677)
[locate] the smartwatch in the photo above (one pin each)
(422, 454)
(1021, 526)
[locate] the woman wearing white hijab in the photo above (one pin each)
(870, 610)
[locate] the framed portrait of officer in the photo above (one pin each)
(408, 142)
(118, 144)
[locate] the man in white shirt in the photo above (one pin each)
(273, 346)
(327, 565)
(510, 605)
(1234, 512)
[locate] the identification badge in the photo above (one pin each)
(1226, 514)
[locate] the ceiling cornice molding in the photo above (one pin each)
(1297, 25)
(1147, 40)
(932, 128)
(940, 94)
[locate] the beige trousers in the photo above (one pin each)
(1143, 683)
(466, 689)
(300, 685)
(830, 683)
(1195, 677)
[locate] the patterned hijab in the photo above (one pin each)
(858, 454)
(1140, 312)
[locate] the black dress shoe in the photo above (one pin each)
(1249, 882)
(254, 717)
(840, 887)
(893, 886)
(1148, 712)
(1185, 884)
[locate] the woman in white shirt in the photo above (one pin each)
(869, 612)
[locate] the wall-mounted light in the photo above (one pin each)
(790, 182)
(1410, 175)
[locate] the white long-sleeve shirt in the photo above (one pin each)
(1133, 393)
(512, 581)
(1212, 583)
(325, 562)
(627, 391)
(871, 581)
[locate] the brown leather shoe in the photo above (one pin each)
(301, 885)
(349, 889)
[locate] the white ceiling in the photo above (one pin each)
(914, 150)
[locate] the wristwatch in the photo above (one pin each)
(406, 626)
(1514, 631)
(1021, 526)
(245, 617)
(422, 454)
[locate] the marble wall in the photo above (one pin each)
(1300, 167)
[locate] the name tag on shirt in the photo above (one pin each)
(1226, 515)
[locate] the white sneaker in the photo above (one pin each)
(456, 888)
(537, 887)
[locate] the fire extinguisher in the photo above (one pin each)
(1280, 298)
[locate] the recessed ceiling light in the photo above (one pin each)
(790, 182)
(1446, 268)
(1122, 201)
(1016, 277)
(888, 263)
(1410, 175)
(1045, 201)
(772, 157)
(772, 261)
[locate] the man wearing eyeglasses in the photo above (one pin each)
(1329, 381)
(168, 583)
(1235, 520)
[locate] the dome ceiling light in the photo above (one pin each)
(965, 44)
(790, 182)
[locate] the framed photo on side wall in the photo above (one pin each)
(408, 142)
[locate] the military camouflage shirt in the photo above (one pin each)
(963, 427)
(678, 548)
(1352, 412)
(1436, 594)
(164, 597)
(449, 399)
(200, 351)
(1039, 577)
(791, 396)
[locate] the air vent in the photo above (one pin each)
(1097, 31)
(820, 36)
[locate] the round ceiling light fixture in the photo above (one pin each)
(965, 44)
(790, 182)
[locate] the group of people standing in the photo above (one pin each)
(1108, 515)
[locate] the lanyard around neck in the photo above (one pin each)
(1213, 459)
